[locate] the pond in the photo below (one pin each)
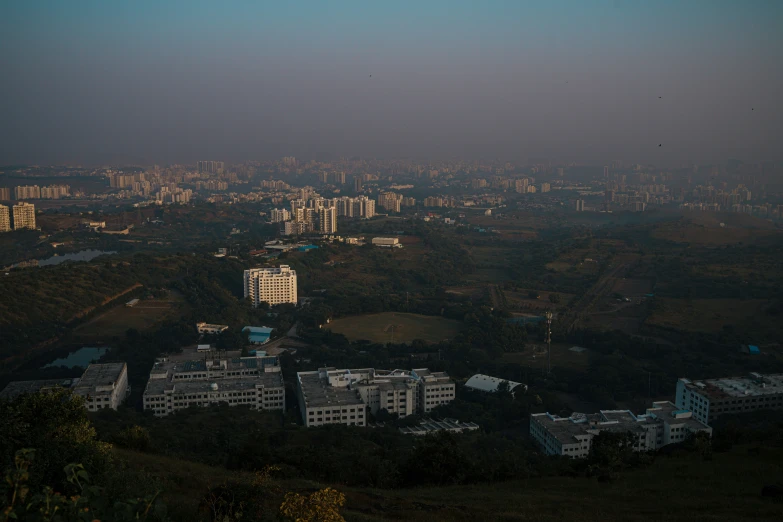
(81, 357)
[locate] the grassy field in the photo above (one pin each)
(711, 315)
(119, 319)
(404, 327)
(680, 487)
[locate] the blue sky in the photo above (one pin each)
(577, 80)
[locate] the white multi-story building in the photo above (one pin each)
(24, 216)
(332, 396)
(28, 192)
(711, 398)
(386, 242)
(572, 436)
(363, 207)
(212, 329)
(327, 220)
(5, 219)
(271, 285)
(102, 386)
(279, 215)
(391, 201)
(255, 382)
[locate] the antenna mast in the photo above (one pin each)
(548, 342)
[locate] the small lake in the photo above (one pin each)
(84, 255)
(81, 357)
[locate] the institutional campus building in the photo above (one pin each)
(271, 285)
(332, 396)
(572, 436)
(711, 398)
(256, 382)
(102, 386)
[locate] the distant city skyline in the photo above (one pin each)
(173, 82)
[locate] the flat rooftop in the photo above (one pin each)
(98, 376)
(318, 393)
(749, 386)
(429, 426)
(16, 388)
(267, 379)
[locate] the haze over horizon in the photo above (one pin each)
(167, 82)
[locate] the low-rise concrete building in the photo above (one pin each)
(332, 396)
(386, 242)
(211, 329)
(487, 383)
(256, 382)
(428, 426)
(572, 436)
(711, 398)
(101, 385)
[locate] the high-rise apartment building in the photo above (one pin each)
(5, 194)
(390, 201)
(279, 215)
(580, 205)
(357, 184)
(327, 220)
(364, 207)
(546, 187)
(28, 192)
(5, 219)
(271, 285)
(210, 167)
(24, 216)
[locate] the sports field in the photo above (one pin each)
(396, 327)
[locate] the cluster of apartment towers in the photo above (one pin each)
(24, 217)
(320, 214)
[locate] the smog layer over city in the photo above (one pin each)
(414, 261)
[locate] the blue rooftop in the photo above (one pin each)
(258, 334)
(304, 248)
(752, 348)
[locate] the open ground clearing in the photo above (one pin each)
(399, 327)
(119, 319)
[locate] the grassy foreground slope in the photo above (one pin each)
(680, 487)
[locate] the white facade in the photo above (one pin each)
(255, 382)
(279, 215)
(712, 398)
(386, 242)
(327, 220)
(5, 219)
(24, 216)
(332, 396)
(486, 383)
(103, 386)
(572, 436)
(271, 285)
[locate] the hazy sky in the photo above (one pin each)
(164, 81)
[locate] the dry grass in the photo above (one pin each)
(406, 327)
